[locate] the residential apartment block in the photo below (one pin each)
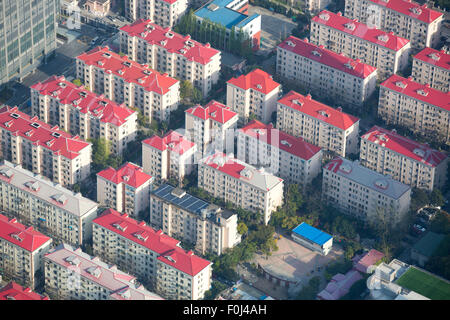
(57, 101)
(167, 51)
(406, 18)
(364, 193)
(166, 13)
(416, 106)
(43, 149)
(98, 7)
(432, 67)
(253, 94)
(71, 274)
(325, 72)
(243, 185)
(385, 51)
(154, 257)
(45, 205)
(291, 158)
(27, 36)
(169, 156)
(315, 6)
(21, 251)
(211, 127)
(317, 123)
(126, 189)
(14, 291)
(125, 81)
(405, 160)
(181, 215)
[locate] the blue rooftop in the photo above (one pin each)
(221, 15)
(315, 235)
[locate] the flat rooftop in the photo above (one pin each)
(217, 12)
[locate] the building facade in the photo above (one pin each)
(325, 72)
(364, 193)
(406, 18)
(126, 189)
(71, 274)
(432, 67)
(415, 106)
(211, 127)
(166, 51)
(235, 181)
(385, 51)
(405, 160)
(166, 13)
(43, 149)
(45, 205)
(125, 81)
(22, 251)
(169, 156)
(253, 94)
(152, 256)
(57, 101)
(181, 215)
(312, 238)
(27, 36)
(288, 157)
(317, 123)
(315, 6)
(98, 8)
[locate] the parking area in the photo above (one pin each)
(275, 27)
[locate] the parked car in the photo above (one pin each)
(417, 228)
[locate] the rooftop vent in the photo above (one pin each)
(422, 92)
(350, 26)
(15, 115)
(382, 184)
(169, 35)
(56, 134)
(106, 55)
(190, 43)
(73, 260)
(178, 192)
(101, 63)
(6, 173)
(247, 173)
(419, 152)
(62, 84)
(435, 56)
(298, 102)
(401, 84)
(316, 53)
(35, 125)
(147, 72)
(348, 65)
(383, 37)
(261, 131)
(345, 168)
(17, 236)
(150, 27)
(324, 16)
(163, 42)
(95, 271)
(290, 43)
(127, 64)
(286, 143)
(8, 123)
(103, 102)
(121, 226)
(61, 198)
(49, 143)
(258, 86)
(183, 51)
(29, 133)
(83, 94)
(33, 185)
(416, 10)
(141, 236)
(323, 113)
(213, 7)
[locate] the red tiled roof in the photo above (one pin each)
(229, 166)
(296, 146)
(327, 57)
(418, 91)
(201, 53)
(174, 141)
(434, 57)
(156, 241)
(257, 80)
(360, 30)
(129, 70)
(16, 233)
(14, 291)
(406, 7)
(370, 258)
(65, 144)
(97, 106)
(213, 110)
(129, 174)
(404, 146)
(318, 110)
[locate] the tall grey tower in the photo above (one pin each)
(27, 35)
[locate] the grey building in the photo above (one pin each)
(27, 36)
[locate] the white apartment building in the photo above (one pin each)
(416, 106)
(125, 81)
(241, 184)
(325, 72)
(71, 274)
(166, 13)
(22, 250)
(167, 51)
(183, 216)
(126, 189)
(317, 123)
(47, 206)
(152, 256)
(169, 156)
(385, 51)
(253, 94)
(405, 160)
(57, 101)
(406, 18)
(364, 193)
(286, 156)
(211, 127)
(315, 6)
(433, 67)
(43, 149)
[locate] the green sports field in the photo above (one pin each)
(425, 284)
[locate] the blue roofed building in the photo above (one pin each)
(312, 238)
(232, 13)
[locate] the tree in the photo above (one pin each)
(186, 91)
(310, 291)
(242, 228)
(77, 82)
(100, 151)
(356, 290)
(436, 198)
